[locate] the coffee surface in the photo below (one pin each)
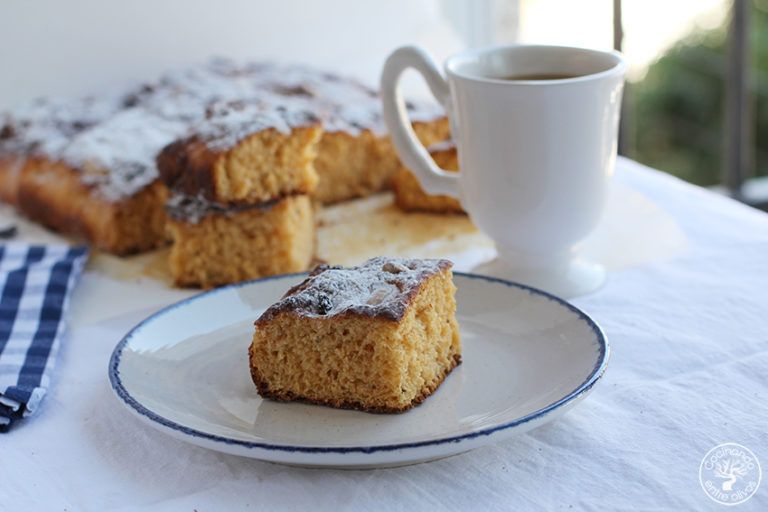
(538, 76)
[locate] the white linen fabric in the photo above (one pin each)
(689, 370)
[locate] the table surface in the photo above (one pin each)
(685, 309)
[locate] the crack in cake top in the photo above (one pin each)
(380, 287)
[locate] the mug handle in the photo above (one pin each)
(433, 179)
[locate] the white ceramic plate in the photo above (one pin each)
(528, 358)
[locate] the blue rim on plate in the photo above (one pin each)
(592, 378)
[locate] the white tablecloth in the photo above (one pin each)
(686, 311)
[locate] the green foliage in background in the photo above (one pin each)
(677, 109)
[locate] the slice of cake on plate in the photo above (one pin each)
(379, 337)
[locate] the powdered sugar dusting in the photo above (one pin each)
(114, 138)
(117, 157)
(379, 287)
(228, 122)
(111, 144)
(446, 145)
(343, 104)
(45, 126)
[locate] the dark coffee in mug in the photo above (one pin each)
(538, 76)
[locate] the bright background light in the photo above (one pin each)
(650, 26)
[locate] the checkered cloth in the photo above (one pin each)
(35, 283)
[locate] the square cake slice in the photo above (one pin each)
(214, 244)
(244, 153)
(380, 337)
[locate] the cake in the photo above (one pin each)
(258, 154)
(238, 185)
(244, 153)
(215, 245)
(409, 195)
(379, 337)
(89, 166)
(355, 156)
(52, 193)
(85, 167)
(352, 164)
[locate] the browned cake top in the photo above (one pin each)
(115, 138)
(380, 287)
(193, 209)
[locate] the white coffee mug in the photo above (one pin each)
(536, 129)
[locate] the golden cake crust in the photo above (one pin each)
(53, 194)
(10, 173)
(305, 299)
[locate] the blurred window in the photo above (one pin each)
(696, 103)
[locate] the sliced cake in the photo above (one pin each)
(234, 135)
(87, 168)
(215, 245)
(244, 153)
(355, 157)
(379, 337)
(238, 185)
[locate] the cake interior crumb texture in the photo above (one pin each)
(232, 246)
(268, 165)
(357, 165)
(380, 337)
(241, 161)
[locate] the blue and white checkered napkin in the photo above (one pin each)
(35, 284)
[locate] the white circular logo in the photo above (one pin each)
(730, 473)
